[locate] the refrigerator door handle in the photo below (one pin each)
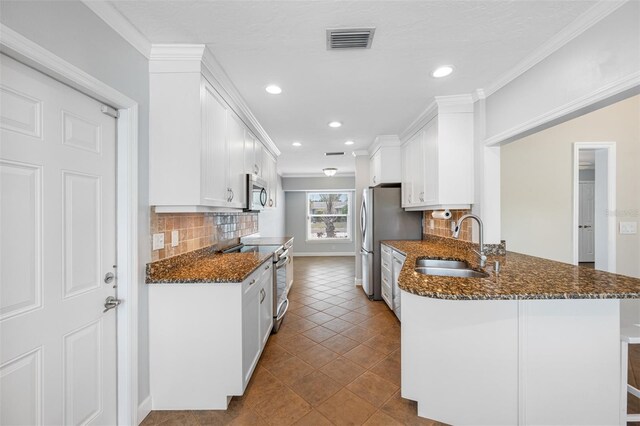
(363, 220)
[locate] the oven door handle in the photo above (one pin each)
(283, 262)
(286, 308)
(284, 254)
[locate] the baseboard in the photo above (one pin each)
(358, 282)
(144, 409)
(315, 254)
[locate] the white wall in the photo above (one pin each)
(73, 32)
(536, 184)
(604, 56)
(271, 221)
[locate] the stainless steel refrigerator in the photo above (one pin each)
(382, 218)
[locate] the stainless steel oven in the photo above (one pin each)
(282, 282)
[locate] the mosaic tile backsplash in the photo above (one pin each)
(442, 227)
(199, 230)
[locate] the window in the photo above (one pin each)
(328, 216)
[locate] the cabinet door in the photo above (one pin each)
(431, 163)
(249, 156)
(266, 307)
(271, 176)
(373, 169)
(214, 149)
(407, 182)
(258, 157)
(235, 146)
(417, 170)
(251, 338)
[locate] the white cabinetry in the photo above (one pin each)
(198, 144)
(385, 275)
(206, 338)
(253, 151)
(385, 161)
(257, 319)
(438, 158)
(270, 169)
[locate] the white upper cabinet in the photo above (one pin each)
(199, 147)
(385, 161)
(437, 159)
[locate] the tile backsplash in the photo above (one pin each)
(442, 227)
(199, 230)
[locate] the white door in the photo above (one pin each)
(586, 219)
(57, 221)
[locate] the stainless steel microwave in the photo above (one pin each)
(256, 193)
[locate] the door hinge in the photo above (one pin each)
(111, 112)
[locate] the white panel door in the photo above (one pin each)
(237, 177)
(215, 158)
(57, 221)
(586, 238)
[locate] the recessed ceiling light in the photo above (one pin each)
(442, 71)
(335, 124)
(273, 89)
(296, 144)
(349, 142)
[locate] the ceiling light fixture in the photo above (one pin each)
(330, 171)
(349, 142)
(296, 144)
(442, 71)
(273, 89)
(335, 124)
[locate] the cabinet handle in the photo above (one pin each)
(270, 202)
(267, 267)
(374, 179)
(253, 281)
(232, 194)
(264, 294)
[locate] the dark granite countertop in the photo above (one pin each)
(206, 265)
(520, 277)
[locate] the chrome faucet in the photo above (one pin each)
(456, 234)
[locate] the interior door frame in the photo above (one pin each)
(610, 148)
(129, 274)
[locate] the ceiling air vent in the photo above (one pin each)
(349, 38)
(328, 154)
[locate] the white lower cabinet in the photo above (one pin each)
(205, 339)
(385, 275)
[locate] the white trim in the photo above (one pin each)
(358, 282)
(323, 254)
(611, 199)
(112, 17)
(440, 104)
(144, 409)
(17, 46)
(198, 58)
(565, 111)
(585, 21)
(383, 140)
(360, 152)
(315, 175)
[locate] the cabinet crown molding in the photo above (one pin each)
(384, 140)
(440, 104)
(188, 58)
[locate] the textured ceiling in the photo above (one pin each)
(375, 91)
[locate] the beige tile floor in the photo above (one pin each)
(335, 361)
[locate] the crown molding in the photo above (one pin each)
(112, 17)
(223, 83)
(198, 58)
(569, 110)
(478, 95)
(317, 175)
(384, 140)
(585, 21)
(427, 115)
(360, 152)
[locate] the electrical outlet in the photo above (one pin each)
(628, 228)
(158, 241)
(432, 224)
(175, 238)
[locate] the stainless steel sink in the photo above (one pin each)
(451, 272)
(442, 263)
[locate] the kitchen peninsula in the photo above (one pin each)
(537, 343)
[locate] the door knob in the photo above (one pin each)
(111, 303)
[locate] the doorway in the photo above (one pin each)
(594, 236)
